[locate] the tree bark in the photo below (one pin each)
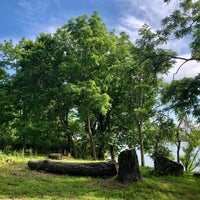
(128, 167)
(92, 144)
(178, 151)
(112, 146)
(112, 152)
(98, 169)
(178, 143)
(69, 145)
(141, 143)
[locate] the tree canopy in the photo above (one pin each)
(88, 92)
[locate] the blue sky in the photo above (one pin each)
(28, 18)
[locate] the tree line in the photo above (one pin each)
(88, 92)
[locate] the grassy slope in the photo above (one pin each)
(18, 182)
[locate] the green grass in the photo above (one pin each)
(18, 182)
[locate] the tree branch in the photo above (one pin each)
(178, 69)
(185, 61)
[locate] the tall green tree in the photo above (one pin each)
(87, 47)
(36, 84)
(6, 110)
(7, 135)
(142, 80)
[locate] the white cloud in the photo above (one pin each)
(51, 29)
(180, 46)
(132, 22)
(151, 11)
(135, 13)
(130, 25)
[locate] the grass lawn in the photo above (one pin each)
(18, 182)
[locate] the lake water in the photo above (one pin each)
(149, 161)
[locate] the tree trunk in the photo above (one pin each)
(112, 146)
(112, 152)
(141, 143)
(98, 169)
(92, 144)
(101, 153)
(69, 145)
(101, 137)
(24, 144)
(178, 143)
(128, 167)
(178, 151)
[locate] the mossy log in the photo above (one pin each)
(97, 169)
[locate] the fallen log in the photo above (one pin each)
(97, 169)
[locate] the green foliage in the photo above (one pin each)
(86, 91)
(92, 98)
(191, 158)
(183, 95)
(160, 132)
(185, 21)
(161, 151)
(141, 81)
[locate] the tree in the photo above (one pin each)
(142, 82)
(161, 131)
(50, 73)
(34, 84)
(85, 88)
(6, 110)
(183, 22)
(182, 96)
(92, 98)
(7, 133)
(87, 46)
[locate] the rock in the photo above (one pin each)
(165, 166)
(128, 167)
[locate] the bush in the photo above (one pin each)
(161, 151)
